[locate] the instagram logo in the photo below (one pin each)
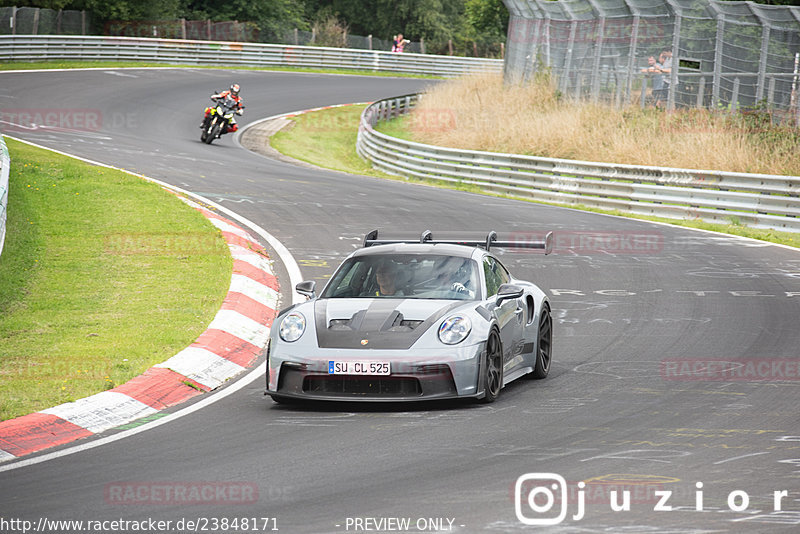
(539, 493)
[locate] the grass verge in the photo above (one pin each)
(103, 275)
(56, 64)
(327, 139)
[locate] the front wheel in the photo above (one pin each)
(544, 345)
(493, 377)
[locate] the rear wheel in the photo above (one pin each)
(493, 377)
(544, 345)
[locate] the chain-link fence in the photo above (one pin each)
(200, 30)
(39, 21)
(728, 55)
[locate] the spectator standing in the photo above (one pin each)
(399, 43)
(653, 69)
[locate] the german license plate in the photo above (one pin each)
(358, 367)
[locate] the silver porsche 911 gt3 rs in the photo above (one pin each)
(404, 321)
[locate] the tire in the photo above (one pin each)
(214, 133)
(493, 376)
(203, 135)
(544, 345)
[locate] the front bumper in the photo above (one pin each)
(440, 374)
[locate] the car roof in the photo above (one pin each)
(439, 249)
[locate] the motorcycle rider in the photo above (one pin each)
(233, 93)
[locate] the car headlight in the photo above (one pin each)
(454, 329)
(292, 327)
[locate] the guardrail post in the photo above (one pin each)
(771, 92)
(13, 20)
(643, 98)
(632, 57)
(735, 96)
(597, 60)
(717, 61)
(701, 91)
(369, 42)
(673, 74)
(36, 21)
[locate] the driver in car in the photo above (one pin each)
(386, 277)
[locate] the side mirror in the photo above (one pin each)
(508, 292)
(307, 289)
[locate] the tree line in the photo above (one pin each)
(461, 23)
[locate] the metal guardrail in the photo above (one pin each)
(94, 48)
(756, 200)
(5, 166)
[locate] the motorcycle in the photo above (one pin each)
(217, 119)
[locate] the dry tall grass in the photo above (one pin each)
(481, 113)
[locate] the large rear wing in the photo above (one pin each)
(489, 241)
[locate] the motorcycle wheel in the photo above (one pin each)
(205, 130)
(214, 132)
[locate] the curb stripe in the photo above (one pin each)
(244, 242)
(257, 291)
(101, 411)
(37, 431)
(241, 326)
(204, 367)
(228, 227)
(244, 268)
(158, 388)
(227, 346)
(256, 260)
(249, 307)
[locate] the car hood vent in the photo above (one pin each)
(375, 323)
(394, 323)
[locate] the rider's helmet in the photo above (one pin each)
(235, 89)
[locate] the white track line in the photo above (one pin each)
(294, 278)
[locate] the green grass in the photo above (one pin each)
(58, 64)
(103, 275)
(398, 128)
(327, 139)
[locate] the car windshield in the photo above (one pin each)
(411, 276)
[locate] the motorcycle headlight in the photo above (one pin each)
(292, 327)
(454, 329)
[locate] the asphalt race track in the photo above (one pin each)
(626, 401)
